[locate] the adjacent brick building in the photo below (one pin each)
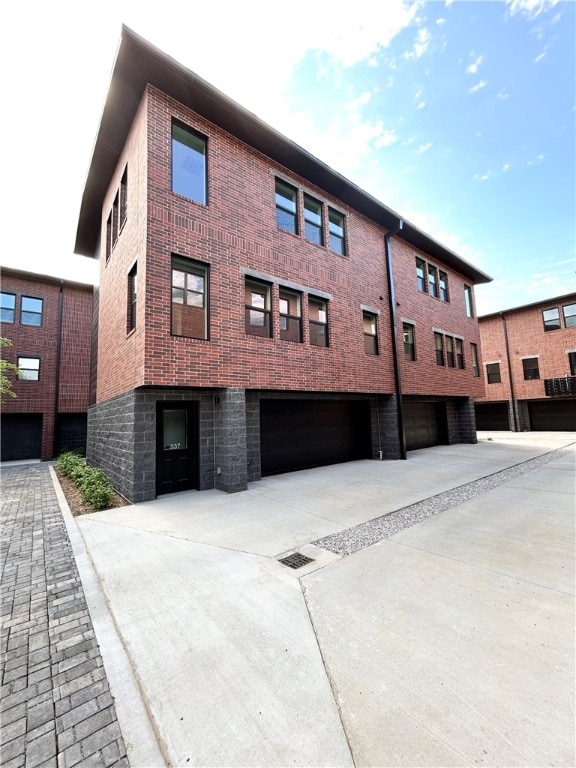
(529, 355)
(247, 320)
(49, 323)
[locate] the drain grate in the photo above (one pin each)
(296, 560)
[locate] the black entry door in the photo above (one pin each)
(176, 447)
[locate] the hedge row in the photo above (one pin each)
(94, 485)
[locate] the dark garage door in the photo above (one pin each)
(424, 424)
(21, 436)
(552, 415)
(299, 434)
(493, 416)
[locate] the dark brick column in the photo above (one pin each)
(523, 415)
(384, 418)
(466, 419)
(253, 436)
(230, 440)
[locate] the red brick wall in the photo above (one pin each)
(526, 338)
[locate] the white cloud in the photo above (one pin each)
(439, 22)
(478, 86)
(386, 138)
(421, 105)
(502, 95)
(473, 68)
(536, 161)
(530, 8)
(506, 167)
(421, 45)
(540, 57)
(424, 147)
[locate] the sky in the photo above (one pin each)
(459, 115)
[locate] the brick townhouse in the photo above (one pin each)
(245, 308)
(49, 322)
(529, 355)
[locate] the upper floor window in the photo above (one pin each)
(493, 373)
(188, 164)
(474, 356)
(31, 311)
(318, 320)
(336, 229)
(257, 308)
(432, 281)
(313, 220)
(572, 363)
(118, 214)
(409, 348)
(29, 368)
(132, 297)
(450, 352)
(189, 298)
(569, 311)
(439, 347)
(370, 333)
(468, 301)
(290, 315)
(530, 368)
(551, 318)
(421, 274)
(443, 280)
(459, 353)
(7, 307)
(286, 207)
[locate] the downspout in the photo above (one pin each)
(58, 359)
(392, 305)
(514, 417)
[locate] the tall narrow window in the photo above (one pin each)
(409, 348)
(439, 347)
(290, 315)
(474, 356)
(257, 308)
(468, 301)
(421, 274)
(188, 164)
(530, 368)
(132, 297)
(572, 363)
(109, 235)
(432, 281)
(29, 368)
(31, 311)
(459, 353)
(8, 307)
(123, 201)
(313, 220)
(443, 280)
(189, 298)
(286, 207)
(370, 333)
(551, 318)
(450, 351)
(318, 320)
(493, 373)
(569, 311)
(336, 229)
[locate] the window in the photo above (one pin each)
(474, 356)
(443, 278)
(468, 301)
(569, 311)
(132, 297)
(286, 207)
(8, 307)
(493, 373)
(123, 201)
(551, 319)
(29, 368)
(370, 333)
(439, 349)
(318, 321)
(432, 281)
(257, 308)
(117, 216)
(336, 229)
(459, 353)
(409, 349)
(313, 220)
(189, 298)
(572, 363)
(450, 351)
(290, 315)
(30, 311)
(421, 274)
(530, 366)
(188, 164)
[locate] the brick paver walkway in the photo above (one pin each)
(57, 709)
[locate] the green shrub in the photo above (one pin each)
(71, 465)
(95, 487)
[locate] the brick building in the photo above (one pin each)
(529, 355)
(49, 322)
(248, 324)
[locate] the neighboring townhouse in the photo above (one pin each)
(49, 322)
(529, 362)
(246, 313)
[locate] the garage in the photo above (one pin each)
(424, 424)
(71, 432)
(21, 436)
(552, 415)
(300, 434)
(492, 416)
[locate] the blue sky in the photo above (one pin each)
(458, 115)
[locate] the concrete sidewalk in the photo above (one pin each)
(449, 643)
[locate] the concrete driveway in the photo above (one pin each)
(451, 642)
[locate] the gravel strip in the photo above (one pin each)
(364, 535)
